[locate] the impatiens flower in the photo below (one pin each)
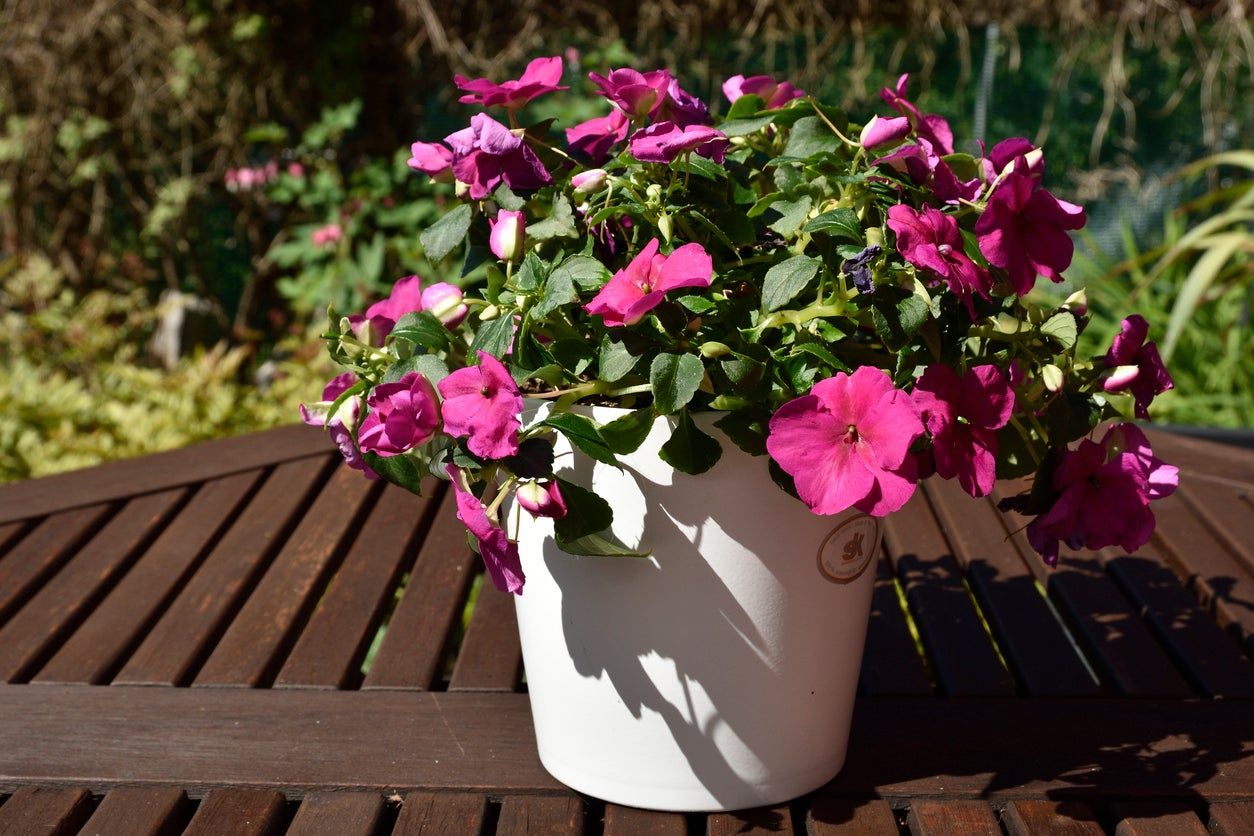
(325, 236)
(930, 240)
(482, 403)
(487, 153)
(587, 182)
(1024, 230)
(500, 555)
(433, 159)
(880, 131)
(406, 297)
(594, 138)
(444, 301)
(847, 443)
(926, 168)
(541, 76)
(773, 93)
(340, 425)
(636, 94)
(858, 268)
(508, 232)
(929, 126)
(637, 289)
(295, 170)
(1102, 495)
(963, 416)
(403, 415)
(662, 142)
(682, 108)
(542, 498)
(1136, 365)
(1004, 154)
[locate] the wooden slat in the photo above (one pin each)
(1206, 459)
(1029, 634)
(435, 814)
(1226, 511)
(338, 814)
(751, 822)
(1051, 818)
(851, 817)
(1150, 819)
(560, 815)
(48, 812)
(258, 636)
(959, 648)
(952, 818)
(1208, 657)
(1233, 818)
(55, 609)
(138, 811)
(330, 648)
(629, 821)
(491, 655)
(184, 633)
(130, 477)
(413, 648)
(97, 647)
(10, 533)
(42, 551)
(308, 740)
(240, 812)
(890, 663)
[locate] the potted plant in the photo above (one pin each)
(704, 359)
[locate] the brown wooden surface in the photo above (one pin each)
(1111, 695)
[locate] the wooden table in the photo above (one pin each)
(185, 639)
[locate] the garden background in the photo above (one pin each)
(185, 187)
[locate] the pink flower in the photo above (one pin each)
(773, 93)
(662, 142)
(1006, 152)
(487, 153)
(500, 555)
(963, 416)
(930, 240)
(881, 131)
(1102, 495)
(482, 403)
(403, 415)
(847, 443)
(507, 235)
(295, 170)
(542, 499)
(1137, 366)
(340, 425)
(929, 126)
(682, 108)
(433, 159)
(636, 94)
(634, 291)
(445, 303)
(1024, 230)
(925, 167)
(594, 138)
(325, 236)
(406, 297)
(541, 76)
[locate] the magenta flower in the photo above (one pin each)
(1006, 152)
(881, 131)
(1136, 365)
(403, 415)
(634, 291)
(847, 443)
(508, 232)
(662, 142)
(773, 93)
(595, 137)
(1102, 495)
(487, 153)
(925, 167)
(1024, 230)
(445, 303)
(500, 555)
(930, 240)
(433, 159)
(929, 126)
(636, 94)
(406, 297)
(682, 108)
(542, 499)
(963, 416)
(326, 236)
(482, 403)
(340, 425)
(541, 76)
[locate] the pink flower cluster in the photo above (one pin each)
(247, 178)
(327, 235)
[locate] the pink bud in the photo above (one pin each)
(444, 301)
(587, 182)
(507, 235)
(296, 170)
(542, 499)
(882, 132)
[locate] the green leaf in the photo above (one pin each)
(674, 379)
(531, 274)
(601, 544)
(625, 434)
(370, 259)
(747, 428)
(746, 125)
(788, 278)
(494, 336)
(559, 224)
(746, 105)
(897, 316)
(421, 328)
(442, 237)
(841, 224)
(427, 365)
(697, 304)
(792, 214)
(586, 513)
(810, 136)
(615, 360)
(534, 459)
(558, 291)
(402, 470)
(506, 199)
(763, 203)
(821, 353)
(701, 167)
(583, 271)
(689, 450)
(1062, 328)
(584, 434)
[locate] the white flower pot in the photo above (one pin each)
(717, 674)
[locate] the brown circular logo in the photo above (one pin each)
(848, 550)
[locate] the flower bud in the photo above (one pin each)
(1077, 303)
(507, 235)
(1121, 378)
(714, 349)
(882, 132)
(489, 313)
(1052, 377)
(653, 194)
(587, 182)
(665, 226)
(541, 499)
(444, 301)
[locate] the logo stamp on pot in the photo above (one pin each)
(849, 548)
